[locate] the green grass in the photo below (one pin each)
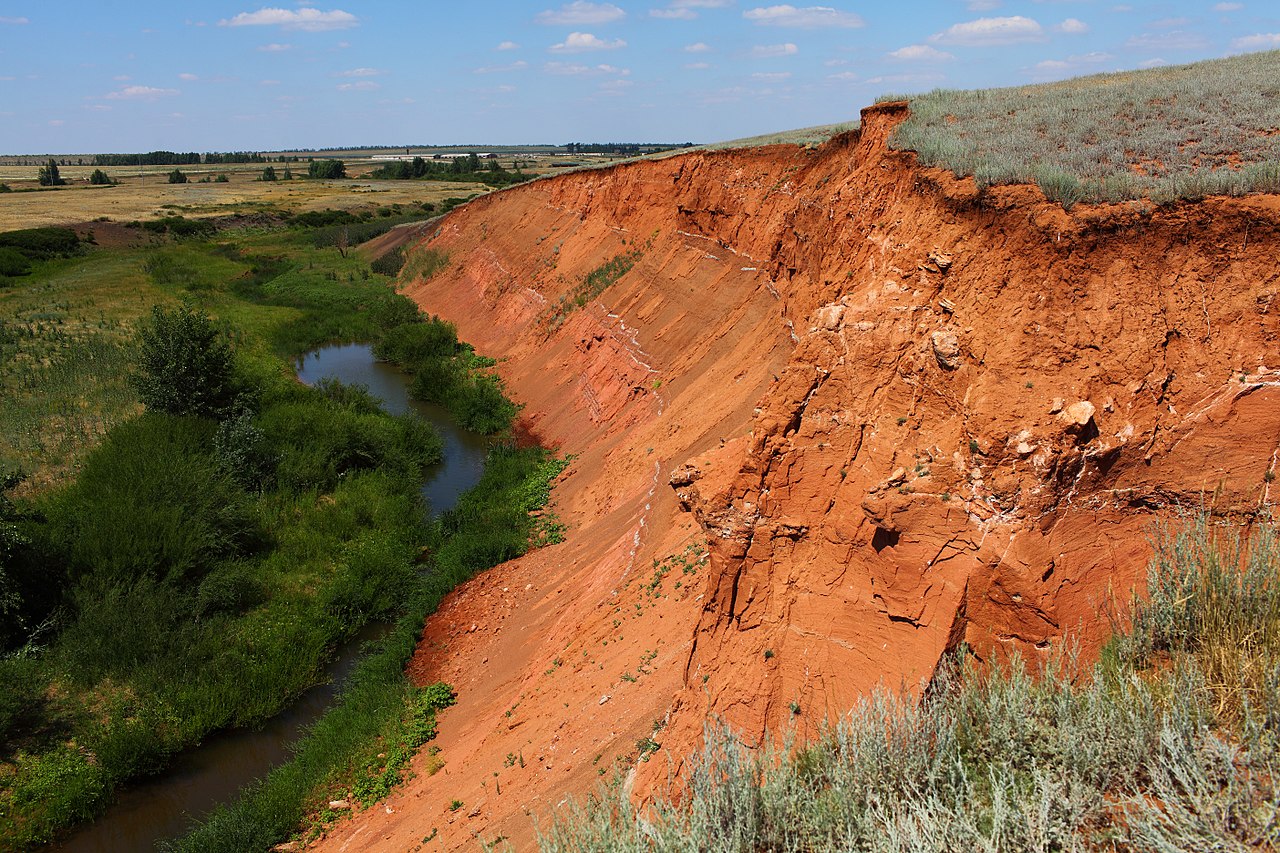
(1164, 134)
(1172, 742)
(592, 285)
(194, 575)
(380, 712)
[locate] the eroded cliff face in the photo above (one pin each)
(899, 414)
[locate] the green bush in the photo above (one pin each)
(151, 501)
(177, 177)
(390, 263)
(327, 169)
(42, 243)
(415, 342)
(316, 443)
(185, 363)
(100, 178)
(13, 262)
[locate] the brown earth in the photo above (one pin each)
(903, 414)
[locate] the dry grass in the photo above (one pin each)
(150, 195)
(1125, 757)
(1182, 132)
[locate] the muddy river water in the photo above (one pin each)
(214, 772)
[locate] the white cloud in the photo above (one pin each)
(701, 4)
(1072, 27)
(358, 86)
(1152, 63)
(697, 47)
(507, 45)
(923, 79)
(518, 65)
(681, 14)
(847, 76)
(140, 93)
(306, 19)
(275, 48)
(187, 76)
(57, 122)
(1259, 41)
(582, 42)
(1054, 69)
(985, 32)
(1228, 7)
(808, 17)
(697, 66)
(581, 12)
(360, 72)
(769, 51)
(771, 75)
(1172, 40)
(920, 53)
(1170, 23)
(575, 70)
(14, 21)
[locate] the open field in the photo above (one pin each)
(151, 195)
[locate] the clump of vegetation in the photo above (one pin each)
(449, 372)
(1180, 132)
(185, 364)
(468, 168)
(13, 263)
(100, 178)
(177, 176)
(327, 169)
(42, 243)
(592, 285)
(390, 263)
(180, 226)
(48, 176)
(1168, 744)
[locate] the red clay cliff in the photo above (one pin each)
(842, 415)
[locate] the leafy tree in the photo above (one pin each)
(100, 178)
(48, 175)
(177, 177)
(327, 169)
(268, 174)
(288, 174)
(185, 364)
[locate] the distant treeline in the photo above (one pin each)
(626, 148)
(190, 158)
(469, 168)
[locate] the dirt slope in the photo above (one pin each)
(899, 414)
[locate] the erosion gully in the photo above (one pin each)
(215, 771)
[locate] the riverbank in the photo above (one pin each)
(153, 647)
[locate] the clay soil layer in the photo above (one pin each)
(899, 414)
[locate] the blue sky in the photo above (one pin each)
(88, 77)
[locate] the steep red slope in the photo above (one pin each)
(901, 414)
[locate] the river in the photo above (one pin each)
(215, 771)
